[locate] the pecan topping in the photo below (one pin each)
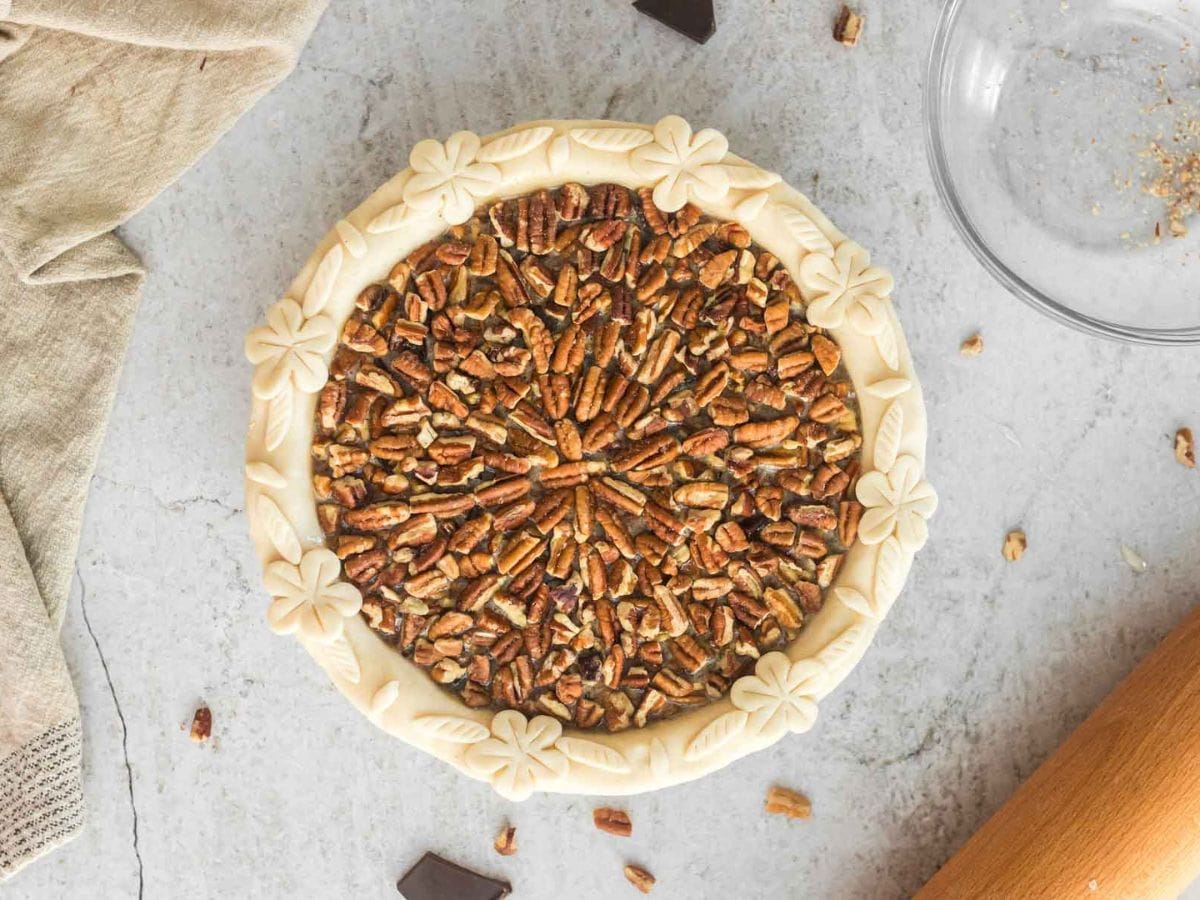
(587, 459)
(376, 517)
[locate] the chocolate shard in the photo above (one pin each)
(691, 18)
(434, 878)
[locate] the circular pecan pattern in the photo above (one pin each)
(587, 459)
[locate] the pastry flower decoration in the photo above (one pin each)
(780, 696)
(682, 164)
(448, 177)
(310, 598)
(289, 348)
(520, 755)
(845, 286)
(897, 502)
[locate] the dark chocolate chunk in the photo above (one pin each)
(691, 18)
(434, 878)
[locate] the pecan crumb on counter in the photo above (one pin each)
(1185, 448)
(506, 840)
(848, 27)
(972, 346)
(639, 878)
(201, 728)
(784, 802)
(614, 821)
(1014, 545)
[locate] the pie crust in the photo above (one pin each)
(445, 184)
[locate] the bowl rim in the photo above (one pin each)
(939, 167)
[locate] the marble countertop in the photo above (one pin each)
(983, 667)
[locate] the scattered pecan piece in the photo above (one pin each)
(201, 728)
(640, 878)
(972, 346)
(784, 802)
(1185, 448)
(848, 27)
(1014, 545)
(506, 840)
(613, 821)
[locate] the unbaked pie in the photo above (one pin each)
(586, 456)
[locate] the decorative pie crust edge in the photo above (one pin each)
(442, 187)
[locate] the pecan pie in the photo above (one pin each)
(586, 458)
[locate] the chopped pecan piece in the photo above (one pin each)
(1185, 448)
(506, 840)
(972, 346)
(847, 27)
(640, 878)
(784, 802)
(1014, 545)
(201, 728)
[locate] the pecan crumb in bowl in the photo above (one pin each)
(1064, 141)
(586, 456)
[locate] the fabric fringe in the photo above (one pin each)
(41, 796)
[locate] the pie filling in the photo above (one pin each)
(585, 458)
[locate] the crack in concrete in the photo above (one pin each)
(613, 99)
(376, 84)
(379, 82)
(242, 578)
(927, 743)
(179, 505)
(137, 852)
(931, 739)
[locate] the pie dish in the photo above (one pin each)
(585, 456)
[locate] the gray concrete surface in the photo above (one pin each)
(980, 671)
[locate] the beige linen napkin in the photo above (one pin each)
(102, 104)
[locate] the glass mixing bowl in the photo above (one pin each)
(1062, 134)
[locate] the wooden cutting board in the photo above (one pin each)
(1115, 812)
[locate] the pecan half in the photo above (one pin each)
(612, 821)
